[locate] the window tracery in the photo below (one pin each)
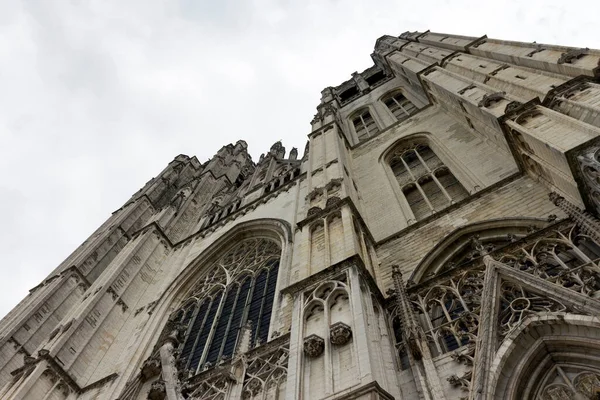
(237, 290)
(566, 257)
(427, 184)
(266, 375)
(364, 125)
(399, 106)
(449, 307)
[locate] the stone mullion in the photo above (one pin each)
(582, 256)
(364, 126)
(262, 307)
(191, 323)
(213, 329)
(416, 341)
(485, 345)
(400, 106)
(296, 360)
(237, 298)
(430, 326)
(435, 179)
(244, 320)
(416, 184)
(364, 367)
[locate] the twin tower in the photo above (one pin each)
(437, 239)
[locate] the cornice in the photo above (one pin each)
(331, 272)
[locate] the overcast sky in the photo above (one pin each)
(96, 97)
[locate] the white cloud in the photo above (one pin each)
(97, 97)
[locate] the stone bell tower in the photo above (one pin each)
(438, 239)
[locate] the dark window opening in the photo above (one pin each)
(375, 78)
(214, 323)
(348, 94)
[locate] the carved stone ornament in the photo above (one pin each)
(340, 333)
(314, 346)
(571, 55)
(313, 211)
(252, 389)
(317, 118)
(489, 99)
(589, 166)
(157, 391)
(315, 194)
(332, 201)
(150, 368)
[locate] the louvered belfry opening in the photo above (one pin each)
(237, 291)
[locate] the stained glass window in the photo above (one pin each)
(237, 291)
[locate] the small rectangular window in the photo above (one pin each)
(375, 78)
(348, 94)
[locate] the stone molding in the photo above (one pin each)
(340, 333)
(314, 346)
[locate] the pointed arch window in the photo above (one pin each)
(399, 105)
(236, 292)
(364, 125)
(427, 184)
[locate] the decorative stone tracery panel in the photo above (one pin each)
(237, 291)
(449, 306)
(266, 375)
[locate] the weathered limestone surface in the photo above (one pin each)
(437, 239)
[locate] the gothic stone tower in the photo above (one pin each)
(437, 240)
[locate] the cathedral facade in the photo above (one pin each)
(437, 239)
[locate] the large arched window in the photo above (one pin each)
(399, 105)
(427, 184)
(364, 124)
(236, 292)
